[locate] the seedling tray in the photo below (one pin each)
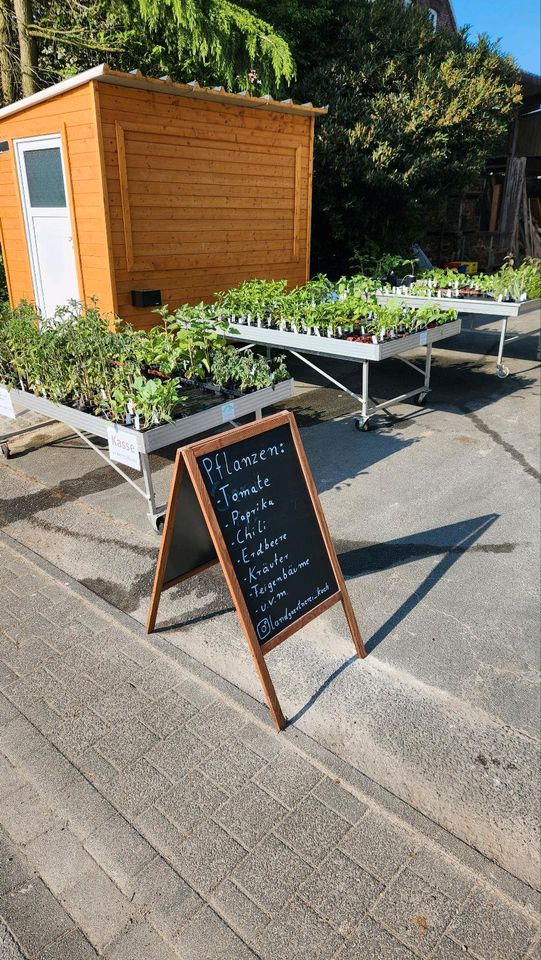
(343, 349)
(481, 305)
(216, 413)
(481, 308)
(302, 345)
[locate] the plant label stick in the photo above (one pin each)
(247, 499)
(6, 405)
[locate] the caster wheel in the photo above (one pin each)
(362, 425)
(502, 372)
(158, 523)
(5, 451)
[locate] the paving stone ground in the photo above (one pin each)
(146, 815)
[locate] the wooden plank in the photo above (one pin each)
(124, 195)
(297, 202)
(80, 131)
(180, 231)
(185, 220)
(190, 243)
(148, 103)
(184, 283)
(181, 206)
(174, 159)
(82, 148)
(200, 129)
(171, 171)
(212, 235)
(308, 227)
(201, 194)
(44, 116)
(208, 260)
(6, 260)
(23, 289)
(179, 146)
(72, 212)
(141, 135)
(494, 206)
(174, 247)
(223, 178)
(212, 160)
(198, 175)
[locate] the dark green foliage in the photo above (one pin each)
(413, 115)
(213, 41)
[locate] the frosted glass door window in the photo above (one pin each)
(45, 177)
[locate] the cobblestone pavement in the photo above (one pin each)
(147, 814)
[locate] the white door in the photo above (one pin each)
(47, 220)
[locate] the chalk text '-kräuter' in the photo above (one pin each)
(260, 589)
(254, 573)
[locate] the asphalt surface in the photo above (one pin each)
(435, 519)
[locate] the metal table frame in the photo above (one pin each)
(486, 308)
(300, 344)
(85, 425)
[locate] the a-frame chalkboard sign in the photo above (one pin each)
(247, 499)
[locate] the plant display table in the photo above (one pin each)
(480, 307)
(217, 413)
(300, 344)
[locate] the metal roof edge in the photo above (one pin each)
(104, 74)
(57, 89)
(193, 90)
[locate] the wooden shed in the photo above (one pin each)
(140, 191)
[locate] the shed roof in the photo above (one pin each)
(104, 74)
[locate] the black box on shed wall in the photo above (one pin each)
(146, 298)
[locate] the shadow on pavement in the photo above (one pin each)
(382, 556)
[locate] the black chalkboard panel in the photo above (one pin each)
(190, 545)
(266, 515)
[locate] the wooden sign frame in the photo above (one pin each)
(186, 460)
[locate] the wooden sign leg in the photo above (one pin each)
(153, 610)
(267, 684)
(165, 543)
(352, 623)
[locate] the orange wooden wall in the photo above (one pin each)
(73, 115)
(202, 195)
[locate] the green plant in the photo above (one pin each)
(253, 298)
(245, 370)
(518, 282)
(20, 346)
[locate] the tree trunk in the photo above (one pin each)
(27, 46)
(6, 64)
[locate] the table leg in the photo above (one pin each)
(501, 370)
